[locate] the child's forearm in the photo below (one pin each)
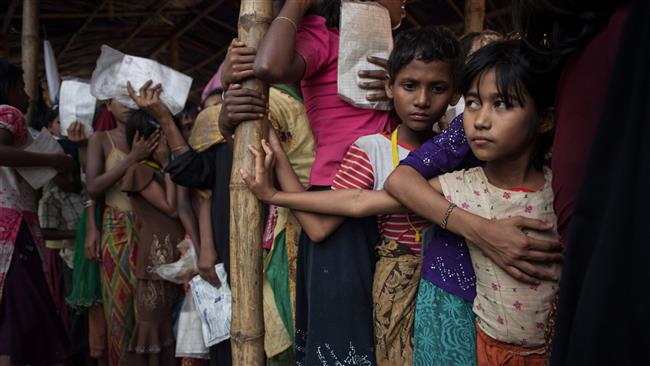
(13, 157)
(91, 224)
(188, 217)
(176, 141)
(171, 192)
(342, 202)
(286, 176)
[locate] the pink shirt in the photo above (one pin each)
(335, 123)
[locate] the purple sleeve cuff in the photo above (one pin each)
(444, 153)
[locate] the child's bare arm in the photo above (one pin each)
(13, 157)
(98, 180)
(318, 227)
(187, 216)
(163, 198)
(207, 253)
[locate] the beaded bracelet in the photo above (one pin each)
(445, 219)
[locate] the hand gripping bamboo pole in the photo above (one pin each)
(247, 340)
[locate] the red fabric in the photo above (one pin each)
(581, 92)
(356, 172)
(335, 123)
(105, 121)
(490, 352)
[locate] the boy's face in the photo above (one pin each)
(421, 93)
(496, 131)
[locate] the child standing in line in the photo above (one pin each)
(302, 44)
(153, 197)
(109, 157)
(508, 123)
(30, 330)
(423, 69)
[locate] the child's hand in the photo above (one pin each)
(63, 163)
(149, 100)
(207, 260)
(262, 184)
(240, 105)
(277, 149)
(91, 245)
(378, 83)
(238, 64)
(77, 133)
(141, 148)
(162, 152)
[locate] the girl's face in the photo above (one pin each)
(396, 10)
(496, 131)
(421, 93)
(119, 111)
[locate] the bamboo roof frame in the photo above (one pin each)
(202, 28)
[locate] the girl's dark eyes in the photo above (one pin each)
(472, 104)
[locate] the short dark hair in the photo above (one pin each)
(141, 122)
(520, 71)
(426, 44)
(10, 74)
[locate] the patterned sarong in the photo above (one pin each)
(395, 287)
(118, 280)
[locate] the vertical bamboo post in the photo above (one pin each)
(30, 47)
(247, 333)
(474, 15)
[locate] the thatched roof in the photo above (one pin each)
(201, 29)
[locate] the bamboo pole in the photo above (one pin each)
(247, 328)
(474, 15)
(30, 54)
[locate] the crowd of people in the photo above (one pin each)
(440, 232)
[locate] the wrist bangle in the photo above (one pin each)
(177, 148)
(445, 219)
(295, 26)
(89, 203)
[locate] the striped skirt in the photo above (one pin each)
(119, 237)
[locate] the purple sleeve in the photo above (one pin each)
(444, 153)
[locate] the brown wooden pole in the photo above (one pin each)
(247, 333)
(474, 15)
(30, 54)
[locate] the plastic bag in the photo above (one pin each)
(214, 306)
(180, 271)
(76, 104)
(365, 30)
(115, 68)
(189, 341)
